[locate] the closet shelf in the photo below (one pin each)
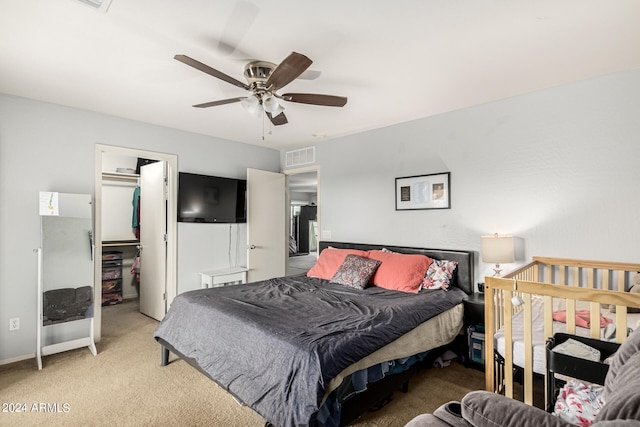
(110, 243)
(120, 176)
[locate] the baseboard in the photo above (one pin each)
(18, 359)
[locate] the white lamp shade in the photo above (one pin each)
(497, 249)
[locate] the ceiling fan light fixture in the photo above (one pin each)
(252, 105)
(271, 105)
(278, 110)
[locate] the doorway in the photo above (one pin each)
(104, 154)
(303, 219)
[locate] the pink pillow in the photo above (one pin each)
(399, 272)
(330, 261)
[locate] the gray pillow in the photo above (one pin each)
(355, 271)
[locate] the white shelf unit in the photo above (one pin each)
(223, 277)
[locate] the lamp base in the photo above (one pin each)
(497, 270)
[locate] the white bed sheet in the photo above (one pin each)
(539, 363)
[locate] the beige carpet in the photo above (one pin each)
(126, 386)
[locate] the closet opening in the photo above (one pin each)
(135, 209)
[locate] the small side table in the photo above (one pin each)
(474, 309)
(223, 277)
(474, 328)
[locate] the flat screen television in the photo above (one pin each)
(211, 199)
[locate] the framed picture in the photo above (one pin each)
(423, 192)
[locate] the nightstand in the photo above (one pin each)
(474, 309)
(474, 328)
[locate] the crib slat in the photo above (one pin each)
(570, 306)
(621, 319)
(594, 320)
(489, 324)
(508, 349)
(548, 332)
(528, 355)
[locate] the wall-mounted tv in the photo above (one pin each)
(211, 199)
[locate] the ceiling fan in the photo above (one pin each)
(264, 80)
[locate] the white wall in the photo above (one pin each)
(557, 168)
(45, 147)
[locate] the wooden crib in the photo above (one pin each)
(548, 281)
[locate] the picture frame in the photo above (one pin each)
(423, 192)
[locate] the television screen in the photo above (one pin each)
(211, 199)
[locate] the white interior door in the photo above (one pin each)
(266, 225)
(153, 228)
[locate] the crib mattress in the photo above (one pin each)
(537, 338)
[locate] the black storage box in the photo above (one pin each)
(575, 367)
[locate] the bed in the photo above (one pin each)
(557, 296)
(301, 350)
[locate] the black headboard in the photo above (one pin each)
(463, 277)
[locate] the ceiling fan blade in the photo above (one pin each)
(316, 99)
(237, 26)
(288, 70)
(278, 120)
(211, 71)
(221, 102)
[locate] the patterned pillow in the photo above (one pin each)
(355, 271)
(439, 275)
(330, 260)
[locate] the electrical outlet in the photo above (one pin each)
(14, 324)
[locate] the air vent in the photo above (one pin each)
(303, 156)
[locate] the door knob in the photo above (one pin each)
(252, 247)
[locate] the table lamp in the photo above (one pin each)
(497, 250)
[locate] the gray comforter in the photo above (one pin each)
(276, 344)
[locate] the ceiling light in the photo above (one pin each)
(271, 104)
(277, 111)
(252, 105)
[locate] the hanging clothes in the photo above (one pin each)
(135, 220)
(135, 267)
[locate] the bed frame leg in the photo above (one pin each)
(165, 356)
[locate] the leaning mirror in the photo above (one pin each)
(66, 274)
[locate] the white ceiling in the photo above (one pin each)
(395, 60)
